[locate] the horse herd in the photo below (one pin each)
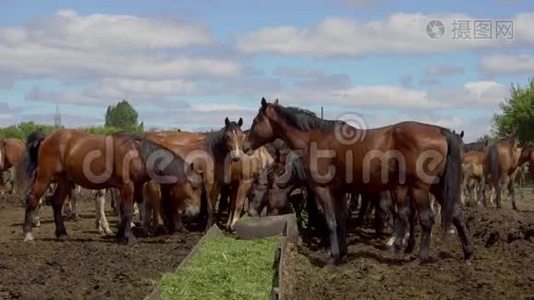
(176, 175)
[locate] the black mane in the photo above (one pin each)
(304, 119)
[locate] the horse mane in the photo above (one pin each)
(476, 146)
(304, 119)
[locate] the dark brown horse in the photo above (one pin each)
(500, 162)
(408, 157)
(11, 153)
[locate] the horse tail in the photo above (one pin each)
(451, 179)
(33, 143)
(492, 163)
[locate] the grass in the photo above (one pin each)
(224, 268)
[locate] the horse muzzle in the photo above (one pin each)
(191, 211)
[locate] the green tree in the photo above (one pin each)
(122, 116)
(517, 116)
(22, 130)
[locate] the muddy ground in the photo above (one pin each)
(88, 266)
(502, 267)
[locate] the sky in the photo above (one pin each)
(190, 64)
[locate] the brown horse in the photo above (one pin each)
(500, 162)
(407, 157)
(242, 169)
(68, 157)
(11, 153)
(218, 155)
(473, 176)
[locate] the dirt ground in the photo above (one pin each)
(88, 266)
(502, 267)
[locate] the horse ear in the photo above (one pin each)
(275, 102)
(462, 134)
(263, 102)
(240, 122)
(226, 122)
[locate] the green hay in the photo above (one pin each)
(224, 268)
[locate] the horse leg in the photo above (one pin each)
(458, 220)
(426, 219)
(124, 234)
(511, 190)
(212, 191)
(341, 213)
(223, 201)
(148, 209)
(364, 207)
(411, 218)
(481, 190)
(32, 202)
(403, 210)
(242, 190)
(498, 191)
(62, 191)
(73, 196)
(327, 203)
(101, 220)
(233, 198)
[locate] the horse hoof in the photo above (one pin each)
(332, 261)
(423, 260)
(127, 241)
(409, 249)
(36, 223)
(62, 237)
(28, 236)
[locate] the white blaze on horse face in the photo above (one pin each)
(236, 152)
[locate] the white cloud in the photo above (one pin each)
(508, 64)
(383, 96)
(399, 33)
(68, 45)
(482, 94)
(68, 30)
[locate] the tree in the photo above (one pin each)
(122, 116)
(517, 116)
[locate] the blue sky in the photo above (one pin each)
(189, 64)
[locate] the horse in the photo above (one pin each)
(180, 183)
(473, 176)
(11, 153)
(242, 169)
(476, 146)
(500, 161)
(273, 186)
(220, 156)
(335, 165)
(68, 156)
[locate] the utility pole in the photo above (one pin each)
(57, 118)
(321, 112)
